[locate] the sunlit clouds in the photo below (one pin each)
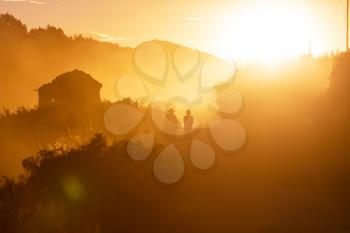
(104, 37)
(26, 1)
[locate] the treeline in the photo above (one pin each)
(30, 58)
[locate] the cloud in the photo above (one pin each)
(26, 1)
(104, 37)
(194, 19)
(36, 2)
(14, 0)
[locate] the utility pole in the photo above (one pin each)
(347, 25)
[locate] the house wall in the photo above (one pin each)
(45, 97)
(77, 96)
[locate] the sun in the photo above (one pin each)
(266, 32)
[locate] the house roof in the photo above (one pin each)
(74, 78)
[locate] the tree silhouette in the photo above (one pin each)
(339, 88)
(11, 28)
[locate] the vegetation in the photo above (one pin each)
(30, 58)
(292, 176)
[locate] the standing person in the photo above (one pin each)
(188, 122)
(172, 122)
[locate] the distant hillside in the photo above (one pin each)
(29, 58)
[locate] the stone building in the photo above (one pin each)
(74, 89)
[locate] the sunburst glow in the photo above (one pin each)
(267, 33)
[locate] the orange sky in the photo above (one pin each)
(239, 28)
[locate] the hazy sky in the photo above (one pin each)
(244, 28)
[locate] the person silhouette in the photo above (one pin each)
(172, 122)
(188, 122)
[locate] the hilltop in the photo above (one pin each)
(32, 57)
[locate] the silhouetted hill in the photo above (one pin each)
(97, 187)
(30, 58)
